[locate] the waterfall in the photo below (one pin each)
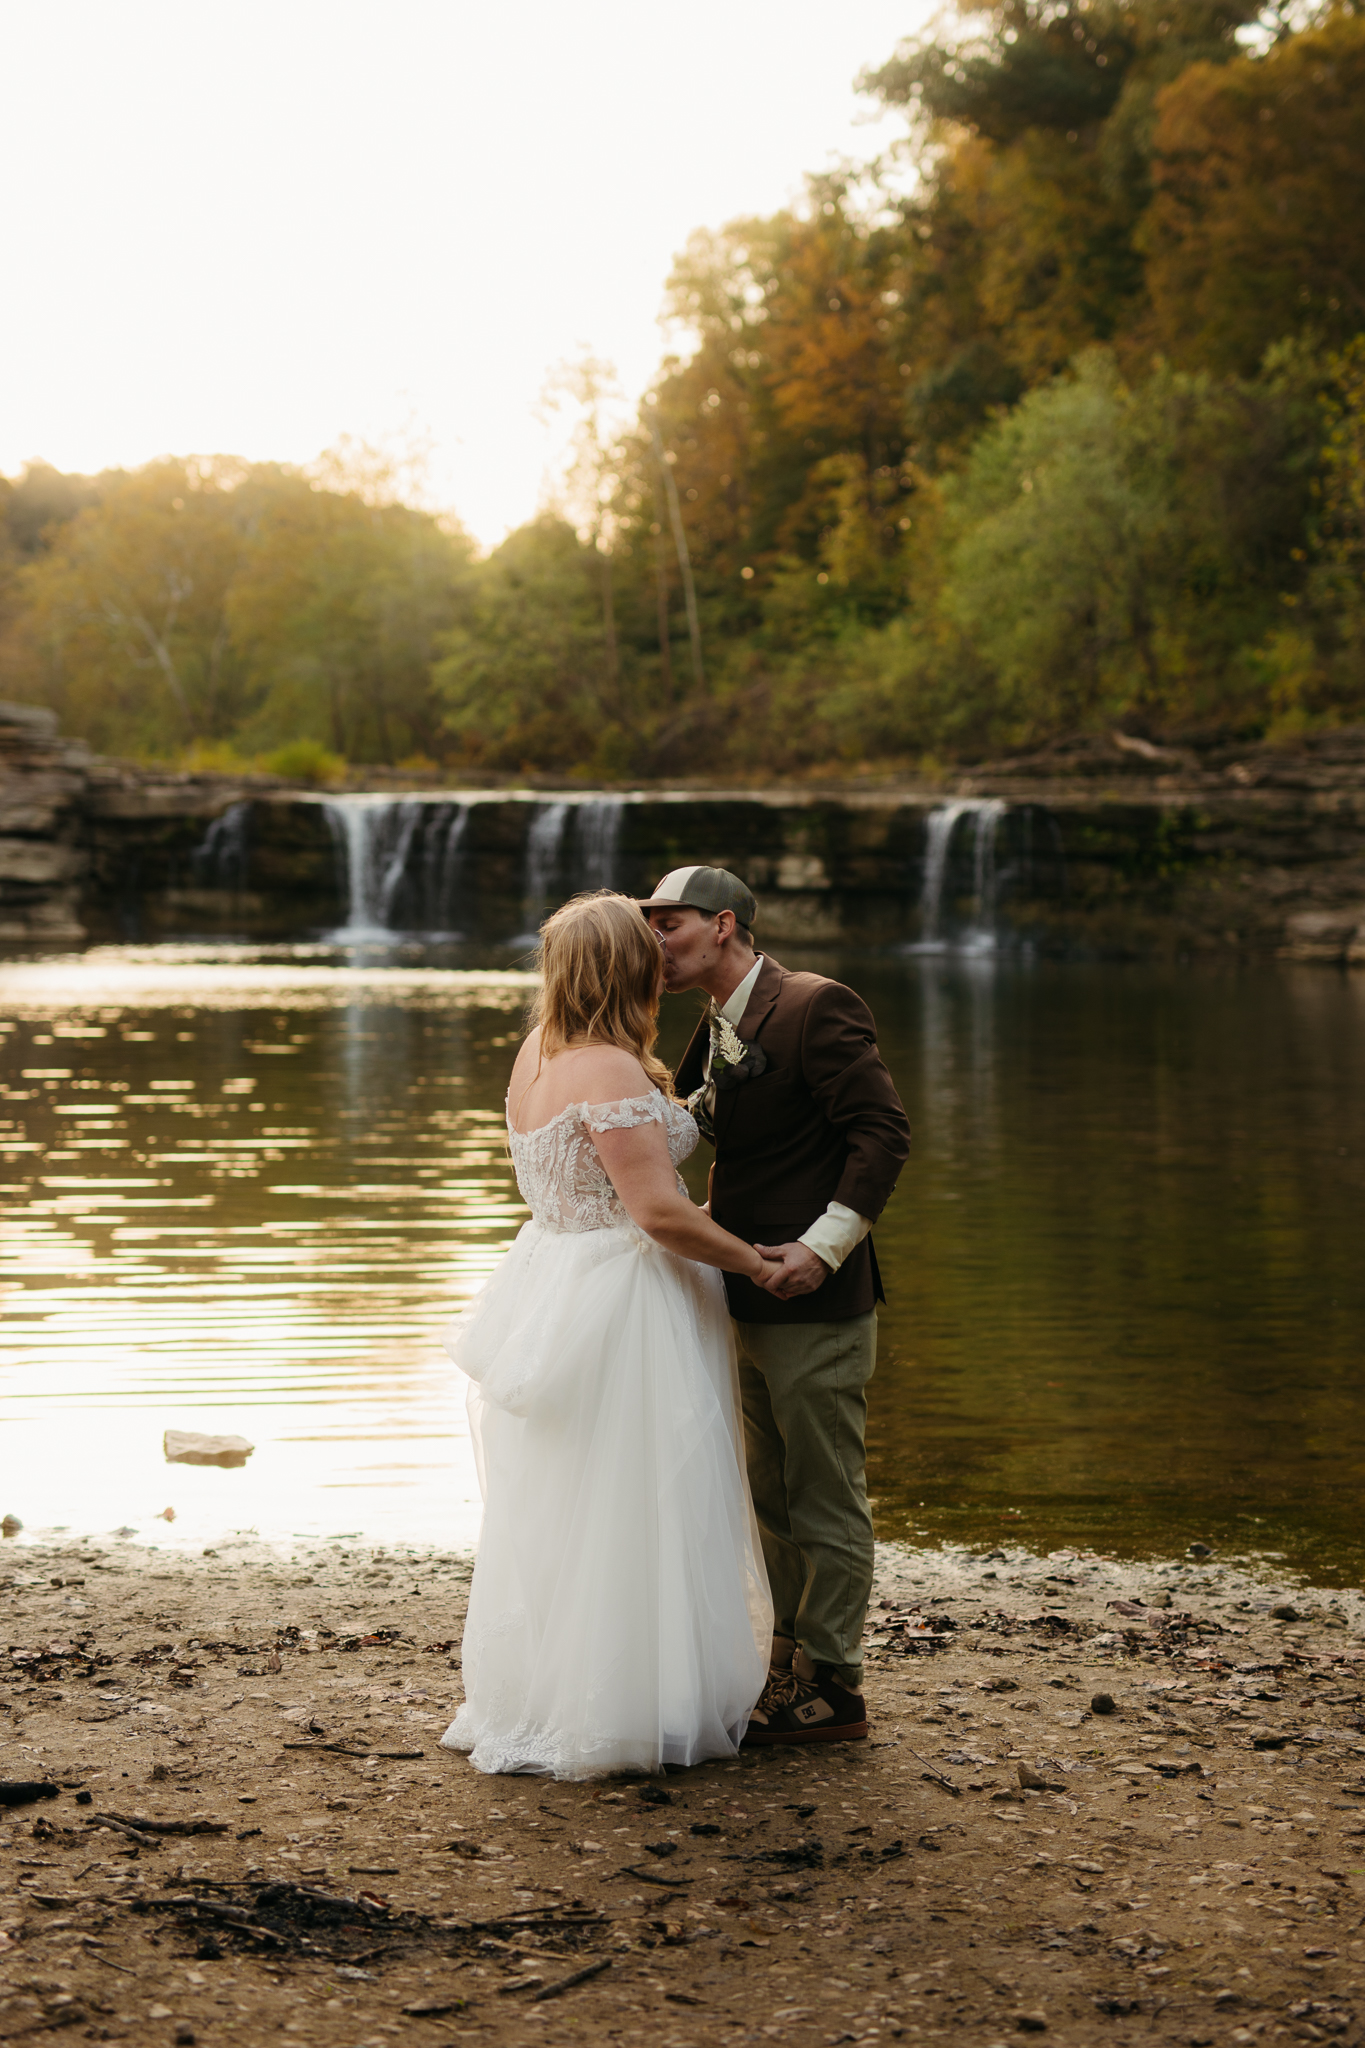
(938, 834)
(940, 827)
(220, 861)
(373, 835)
(445, 866)
(403, 860)
(544, 845)
(988, 815)
(599, 829)
(402, 863)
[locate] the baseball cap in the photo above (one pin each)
(708, 889)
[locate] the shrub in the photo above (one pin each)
(305, 761)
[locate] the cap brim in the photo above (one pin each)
(702, 909)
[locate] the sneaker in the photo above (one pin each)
(790, 1710)
(781, 1688)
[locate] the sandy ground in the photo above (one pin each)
(1194, 1871)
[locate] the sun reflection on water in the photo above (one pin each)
(247, 1200)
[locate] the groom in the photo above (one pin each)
(783, 1074)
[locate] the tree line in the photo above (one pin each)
(1064, 429)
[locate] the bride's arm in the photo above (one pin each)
(642, 1174)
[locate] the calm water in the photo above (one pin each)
(243, 1192)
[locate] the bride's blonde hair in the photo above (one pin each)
(602, 971)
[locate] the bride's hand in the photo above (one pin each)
(767, 1273)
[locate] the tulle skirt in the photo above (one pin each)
(619, 1617)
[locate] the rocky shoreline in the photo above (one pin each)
(255, 1832)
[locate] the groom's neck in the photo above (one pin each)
(725, 976)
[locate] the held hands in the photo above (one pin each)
(767, 1273)
(791, 1269)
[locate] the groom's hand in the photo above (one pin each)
(798, 1270)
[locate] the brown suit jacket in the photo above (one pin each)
(823, 1123)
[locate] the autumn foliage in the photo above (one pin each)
(1053, 421)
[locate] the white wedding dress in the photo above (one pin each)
(619, 1617)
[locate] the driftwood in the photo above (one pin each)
(402, 1756)
(237, 1917)
(19, 1792)
(67, 2016)
(160, 1827)
(142, 1836)
(672, 1884)
(567, 1983)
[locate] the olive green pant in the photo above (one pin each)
(803, 1387)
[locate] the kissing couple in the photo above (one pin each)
(658, 1583)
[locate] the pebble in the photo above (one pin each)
(1102, 1703)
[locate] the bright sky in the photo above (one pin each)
(253, 228)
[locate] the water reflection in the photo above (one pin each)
(243, 1194)
(283, 1183)
(958, 1004)
(1127, 1291)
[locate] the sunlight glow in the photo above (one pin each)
(256, 230)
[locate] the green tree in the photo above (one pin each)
(211, 601)
(522, 677)
(1115, 551)
(122, 619)
(337, 610)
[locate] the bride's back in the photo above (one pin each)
(543, 1086)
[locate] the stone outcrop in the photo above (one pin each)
(1223, 849)
(1327, 938)
(44, 783)
(1108, 846)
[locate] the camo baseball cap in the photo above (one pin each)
(708, 889)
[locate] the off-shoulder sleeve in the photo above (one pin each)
(625, 1114)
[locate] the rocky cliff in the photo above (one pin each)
(44, 790)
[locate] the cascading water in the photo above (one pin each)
(940, 827)
(938, 835)
(372, 835)
(443, 871)
(988, 816)
(544, 848)
(220, 861)
(599, 830)
(402, 863)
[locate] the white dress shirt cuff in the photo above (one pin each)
(835, 1234)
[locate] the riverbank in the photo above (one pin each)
(257, 1834)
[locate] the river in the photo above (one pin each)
(244, 1189)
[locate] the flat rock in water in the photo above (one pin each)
(188, 1447)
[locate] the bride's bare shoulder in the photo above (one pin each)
(543, 1088)
(528, 1058)
(603, 1073)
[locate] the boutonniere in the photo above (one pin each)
(732, 1061)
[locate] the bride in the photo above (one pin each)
(619, 1617)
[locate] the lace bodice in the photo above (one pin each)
(561, 1177)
